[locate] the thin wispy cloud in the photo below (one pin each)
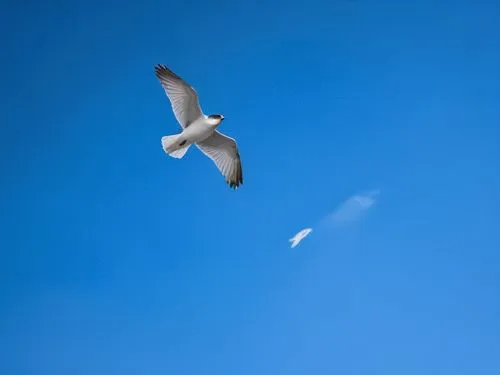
(295, 240)
(354, 207)
(348, 211)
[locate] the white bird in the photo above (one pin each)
(198, 129)
(299, 237)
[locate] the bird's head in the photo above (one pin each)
(215, 120)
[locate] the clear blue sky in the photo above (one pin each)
(116, 259)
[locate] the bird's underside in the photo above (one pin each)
(220, 148)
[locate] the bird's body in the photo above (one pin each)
(196, 132)
(198, 129)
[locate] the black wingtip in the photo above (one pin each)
(159, 68)
(163, 70)
(235, 184)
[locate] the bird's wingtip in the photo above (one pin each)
(159, 67)
(235, 184)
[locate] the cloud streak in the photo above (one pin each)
(354, 207)
(295, 240)
(347, 212)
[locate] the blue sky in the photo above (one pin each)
(117, 259)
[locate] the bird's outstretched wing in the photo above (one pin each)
(182, 96)
(224, 152)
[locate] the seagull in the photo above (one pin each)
(295, 240)
(198, 128)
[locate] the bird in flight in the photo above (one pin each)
(198, 129)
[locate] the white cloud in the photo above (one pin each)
(354, 207)
(350, 210)
(295, 240)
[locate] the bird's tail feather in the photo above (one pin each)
(173, 146)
